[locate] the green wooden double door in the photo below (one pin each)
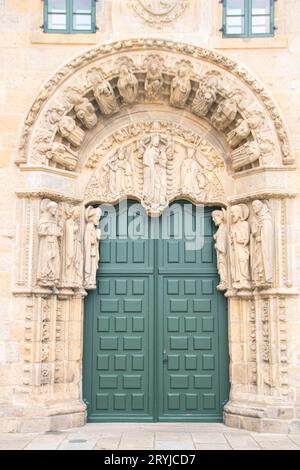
(155, 335)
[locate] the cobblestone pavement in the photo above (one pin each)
(159, 436)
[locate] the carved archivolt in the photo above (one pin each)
(104, 81)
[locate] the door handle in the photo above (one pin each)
(165, 356)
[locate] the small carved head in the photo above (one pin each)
(257, 206)
(218, 217)
(76, 213)
(155, 140)
(236, 214)
(124, 70)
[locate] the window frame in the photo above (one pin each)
(69, 19)
(248, 21)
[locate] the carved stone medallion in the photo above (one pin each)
(158, 12)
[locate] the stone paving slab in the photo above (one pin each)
(149, 436)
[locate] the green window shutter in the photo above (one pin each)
(70, 15)
(249, 16)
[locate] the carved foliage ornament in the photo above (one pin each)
(201, 54)
(158, 12)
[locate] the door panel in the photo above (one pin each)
(155, 336)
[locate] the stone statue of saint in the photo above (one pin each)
(105, 95)
(49, 232)
(84, 110)
(127, 84)
(221, 245)
(70, 131)
(225, 113)
(72, 257)
(119, 171)
(262, 245)
(189, 172)
(92, 235)
(239, 238)
(155, 172)
(154, 80)
(180, 88)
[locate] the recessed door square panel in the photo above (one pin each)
(202, 381)
(120, 362)
(103, 324)
(132, 342)
(122, 251)
(207, 252)
(190, 324)
(137, 362)
(177, 305)
(103, 287)
(137, 324)
(202, 342)
(190, 361)
(108, 381)
(173, 251)
(109, 305)
(173, 286)
(119, 401)
(102, 401)
(208, 361)
(190, 286)
(132, 305)
(132, 381)
(173, 361)
(121, 324)
(138, 286)
(139, 251)
(178, 342)
(137, 401)
(173, 324)
(173, 401)
(209, 401)
(207, 286)
(202, 305)
(208, 324)
(102, 362)
(189, 255)
(191, 401)
(108, 342)
(121, 286)
(179, 381)
(105, 251)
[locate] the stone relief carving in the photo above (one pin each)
(46, 151)
(245, 155)
(154, 77)
(194, 53)
(156, 151)
(180, 87)
(117, 178)
(127, 84)
(221, 246)
(226, 111)
(49, 232)
(103, 92)
(72, 256)
(206, 94)
(70, 131)
(158, 12)
(83, 109)
(239, 237)
(189, 172)
(92, 235)
(262, 245)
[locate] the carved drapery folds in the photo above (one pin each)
(158, 162)
(68, 247)
(246, 255)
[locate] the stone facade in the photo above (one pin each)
(78, 125)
